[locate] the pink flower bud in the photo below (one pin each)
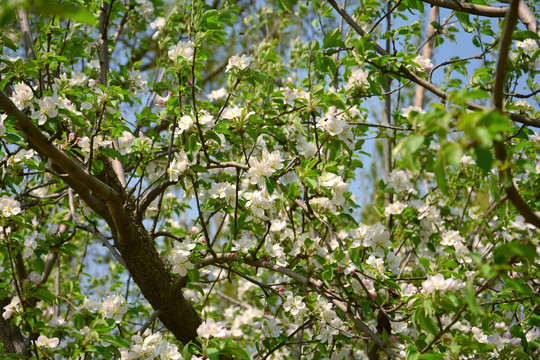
(249, 102)
(71, 136)
(353, 272)
(281, 289)
(190, 83)
(339, 268)
(194, 230)
(306, 292)
(203, 240)
(233, 255)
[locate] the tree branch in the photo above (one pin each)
(482, 10)
(498, 98)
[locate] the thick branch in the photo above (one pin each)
(482, 10)
(28, 40)
(498, 102)
(427, 53)
(11, 335)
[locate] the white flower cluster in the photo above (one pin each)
(113, 307)
(9, 206)
(47, 109)
(236, 112)
(294, 304)
(178, 165)
(125, 143)
(30, 243)
(259, 201)
(401, 180)
(337, 186)
(528, 46)
(453, 239)
(259, 170)
(358, 79)
(331, 324)
(182, 49)
(20, 156)
(424, 64)
(222, 190)
(411, 110)
(525, 51)
(439, 283)
(22, 96)
(210, 328)
(145, 8)
(158, 25)
(43, 341)
(395, 208)
(239, 62)
(220, 93)
(243, 245)
(12, 307)
(180, 257)
(335, 124)
(98, 142)
(149, 347)
(374, 236)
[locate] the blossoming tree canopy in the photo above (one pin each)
(235, 179)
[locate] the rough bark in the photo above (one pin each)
(11, 336)
(105, 195)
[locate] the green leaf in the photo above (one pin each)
(238, 352)
(470, 297)
(286, 5)
(212, 353)
(504, 252)
(270, 184)
(424, 262)
(413, 143)
(483, 158)
(465, 21)
(213, 136)
(44, 295)
(117, 341)
(440, 176)
(66, 11)
(333, 39)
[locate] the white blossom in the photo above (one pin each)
(9, 206)
(114, 307)
(425, 64)
(43, 341)
(239, 62)
(211, 328)
(181, 49)
(294, 304)
(217, 94)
